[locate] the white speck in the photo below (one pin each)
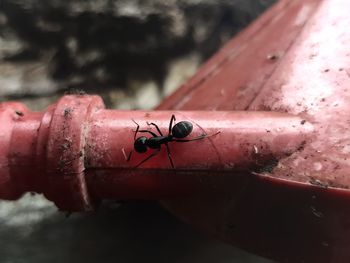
(317, 166)
(256, 150)
(230, 165)
(125, 156)
(316, 212)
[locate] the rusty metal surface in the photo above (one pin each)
(294, 59)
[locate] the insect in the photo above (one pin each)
(176, 133)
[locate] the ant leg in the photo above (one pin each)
(149, 157)
(169, 156)
(137, 129)
(171, 122)
(127, 158)
(197, 138)
(156, 126)
(144, 131)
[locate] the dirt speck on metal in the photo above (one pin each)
(67, 111)
(19, 113)
(317, 182)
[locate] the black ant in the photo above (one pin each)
(176, 132)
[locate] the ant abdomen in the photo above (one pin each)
(182, 129)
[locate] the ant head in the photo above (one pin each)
(182, 129)
(140, 144)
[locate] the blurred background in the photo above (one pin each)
(133, 53)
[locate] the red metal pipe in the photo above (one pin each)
(75, 152)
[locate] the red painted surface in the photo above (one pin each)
(295, 59)
(246, 141)
(75, 152)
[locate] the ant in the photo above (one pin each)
(175, 134)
